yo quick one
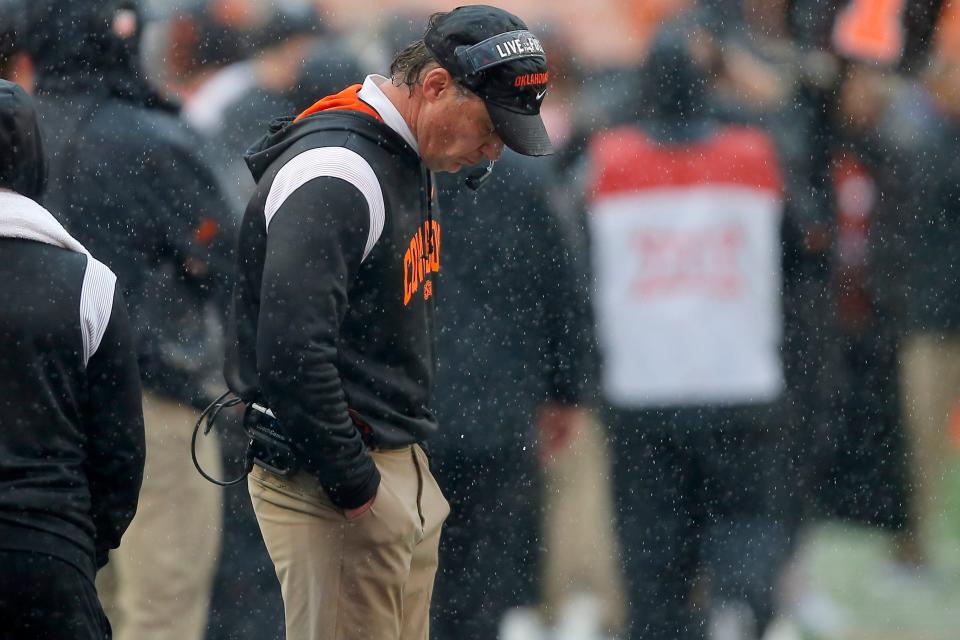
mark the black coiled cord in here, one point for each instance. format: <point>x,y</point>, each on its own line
<point>210,414</point>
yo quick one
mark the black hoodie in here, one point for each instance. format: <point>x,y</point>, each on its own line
<point>333,325</point>
<point>71,426</point>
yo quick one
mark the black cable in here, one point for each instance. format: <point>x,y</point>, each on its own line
<point>211,413</point>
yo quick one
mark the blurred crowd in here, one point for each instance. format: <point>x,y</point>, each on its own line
<point>724,311</point>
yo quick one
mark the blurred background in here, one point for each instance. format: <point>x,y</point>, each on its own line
<point>858,102</point>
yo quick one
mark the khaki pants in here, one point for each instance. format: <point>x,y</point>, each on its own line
<point>930,380</point>
<point>157,584</point>
<point>581,546</point>
<point>366,579</point>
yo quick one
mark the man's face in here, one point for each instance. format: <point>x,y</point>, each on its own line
<point>454,128</point>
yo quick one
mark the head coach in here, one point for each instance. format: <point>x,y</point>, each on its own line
<point>334,316</point>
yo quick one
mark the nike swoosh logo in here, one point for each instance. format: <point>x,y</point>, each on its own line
<point>541,94</point>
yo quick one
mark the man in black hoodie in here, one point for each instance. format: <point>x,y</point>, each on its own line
<point>127,177</point>
<point>71,426</point>
<point>339,250</point>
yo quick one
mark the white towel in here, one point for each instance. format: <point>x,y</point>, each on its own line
<point>21,217</point>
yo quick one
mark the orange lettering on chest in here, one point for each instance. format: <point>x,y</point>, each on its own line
<point>421,259</point>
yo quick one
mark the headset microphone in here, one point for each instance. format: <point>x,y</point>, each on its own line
<point>478,177</point>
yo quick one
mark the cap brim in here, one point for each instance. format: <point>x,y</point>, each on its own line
<point>521,132</point>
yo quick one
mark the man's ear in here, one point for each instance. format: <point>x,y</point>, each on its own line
<point>436,83</point>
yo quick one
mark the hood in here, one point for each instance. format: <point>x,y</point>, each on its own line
<point>23,162</point>
<point>342,111</point>
<point>674,85</point>
<point>89,47</point>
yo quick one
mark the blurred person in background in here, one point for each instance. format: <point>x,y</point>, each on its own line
<point>916,238</point>
<point>71,431</point>
<point>863,477</point>
<point>334,326</point>
<point>515,339</point>
<point>129,183</point>
<point>15,65</point>
<point>862,157</point>
<point>209,46</point>
<point>685,218</point>
<point>849,162</point>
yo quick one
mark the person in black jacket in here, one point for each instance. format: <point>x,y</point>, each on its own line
<point>338,255</point>
<point>515,342</point>
<point>71,426</point>
<point>129,181</point>
<point>915,239</point>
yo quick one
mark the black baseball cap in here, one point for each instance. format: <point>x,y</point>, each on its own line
<point>493,54</point>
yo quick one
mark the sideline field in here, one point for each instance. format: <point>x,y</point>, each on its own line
<point>848,565</point>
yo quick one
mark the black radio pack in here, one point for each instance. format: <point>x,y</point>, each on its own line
<point>268,446</point>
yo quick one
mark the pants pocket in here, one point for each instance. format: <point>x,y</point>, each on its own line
<point>302,487</point>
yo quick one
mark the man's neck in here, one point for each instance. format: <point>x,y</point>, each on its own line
<point>407,105</point>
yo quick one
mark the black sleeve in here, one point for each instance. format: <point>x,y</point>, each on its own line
<point>315,242</point>
<point>114,428</point>
<point>571,340</point>
<point>572,354</point>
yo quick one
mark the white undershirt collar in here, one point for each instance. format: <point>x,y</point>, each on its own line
<point>376,98</point>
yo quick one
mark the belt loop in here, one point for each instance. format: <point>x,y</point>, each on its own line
<point>416,464</point>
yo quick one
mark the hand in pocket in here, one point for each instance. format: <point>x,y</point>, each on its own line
<point>353,514</point>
